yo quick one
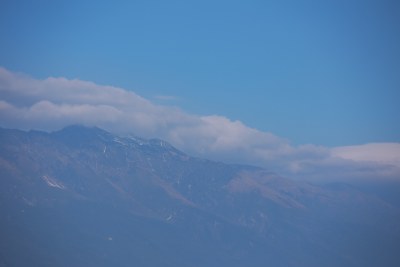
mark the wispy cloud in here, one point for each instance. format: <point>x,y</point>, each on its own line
<point>52,103</point>
<point>166,97</point>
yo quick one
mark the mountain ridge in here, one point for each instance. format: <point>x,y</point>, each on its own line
<point>219,214</point>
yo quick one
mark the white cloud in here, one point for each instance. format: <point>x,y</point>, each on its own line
<point>384,153</point>
<point>53,103</point>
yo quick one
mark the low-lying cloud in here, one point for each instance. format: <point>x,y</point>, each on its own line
<point>50,104</point>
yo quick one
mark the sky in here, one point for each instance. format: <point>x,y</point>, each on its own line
<point>283,83</point>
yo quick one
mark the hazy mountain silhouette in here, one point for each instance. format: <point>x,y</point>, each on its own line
<point>85,197</point>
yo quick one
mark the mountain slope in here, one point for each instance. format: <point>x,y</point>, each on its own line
<point>85,197</point>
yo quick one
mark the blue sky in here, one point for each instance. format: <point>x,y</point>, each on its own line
<point>319,72</point>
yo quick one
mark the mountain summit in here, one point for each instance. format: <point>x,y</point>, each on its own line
<point>85,197</point>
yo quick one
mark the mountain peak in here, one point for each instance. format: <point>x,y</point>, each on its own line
<point>81,128</point>
<point>78,135</point>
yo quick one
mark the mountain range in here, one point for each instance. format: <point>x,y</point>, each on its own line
<point>82,196</point>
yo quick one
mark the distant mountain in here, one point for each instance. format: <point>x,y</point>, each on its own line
<point>85,197</point>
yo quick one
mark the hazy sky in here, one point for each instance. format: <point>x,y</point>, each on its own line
<point>306,88</point>
<point>321,72</point>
